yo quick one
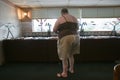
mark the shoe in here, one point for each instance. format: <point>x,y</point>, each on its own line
<point>61,75</point>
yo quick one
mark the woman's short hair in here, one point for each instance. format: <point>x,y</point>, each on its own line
<point>64,10</point>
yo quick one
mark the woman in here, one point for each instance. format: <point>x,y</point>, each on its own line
<point>66,27</point>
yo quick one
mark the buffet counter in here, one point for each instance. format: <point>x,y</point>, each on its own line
<point>44,49</point>
<point>1,54</point>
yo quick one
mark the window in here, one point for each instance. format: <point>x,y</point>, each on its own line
<point>43,25</point>
<point>100,24</point>
<point>86,24</point>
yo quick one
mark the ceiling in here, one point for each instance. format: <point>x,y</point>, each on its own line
<point>68,3</point>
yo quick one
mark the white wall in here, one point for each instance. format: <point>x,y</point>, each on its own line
<point>8,14</point>
<point>53,12</point>
<point>100,12</point>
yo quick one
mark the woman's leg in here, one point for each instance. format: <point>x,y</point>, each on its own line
<point>71,63</point>
<point>65,66</point>
<point>64,69</point>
